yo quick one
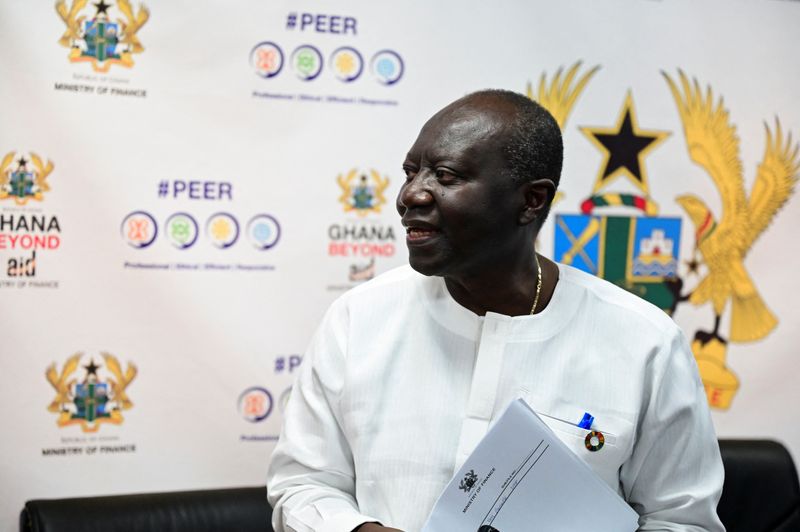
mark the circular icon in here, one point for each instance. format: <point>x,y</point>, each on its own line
<point>139,229</point>
<point>267,59</point>
<point>594,440</point>
<point>307,62</point>
<point>264,231</point>
<point>387,67</point>
<point>255,404</point>
<point>222,229</point>
<point>347,64</point>
<point>181,230</point>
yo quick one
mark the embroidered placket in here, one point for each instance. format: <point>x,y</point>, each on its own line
<point>483,390</point>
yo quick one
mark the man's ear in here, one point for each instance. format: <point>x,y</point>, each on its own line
<point>538,196</point>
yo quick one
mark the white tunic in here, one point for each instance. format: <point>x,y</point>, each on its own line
<point>401,382</point>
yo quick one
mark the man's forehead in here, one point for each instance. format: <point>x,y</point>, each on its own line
<point>462,127</point>
<point>484,115</point>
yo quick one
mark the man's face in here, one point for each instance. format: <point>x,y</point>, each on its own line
<point>458,204</point>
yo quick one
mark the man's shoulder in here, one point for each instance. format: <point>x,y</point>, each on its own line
<point>615,303</point>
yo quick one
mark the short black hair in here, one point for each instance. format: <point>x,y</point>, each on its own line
<point>534,148</point>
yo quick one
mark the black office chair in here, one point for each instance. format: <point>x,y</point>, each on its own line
<point>238,509</point>
<point>761,491</point>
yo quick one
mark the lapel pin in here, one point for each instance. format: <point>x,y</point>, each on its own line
<point>594,440</point>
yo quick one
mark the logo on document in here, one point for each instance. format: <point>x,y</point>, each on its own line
<point>468,482</point>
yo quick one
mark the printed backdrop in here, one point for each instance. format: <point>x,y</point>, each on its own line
<point>186,186</point>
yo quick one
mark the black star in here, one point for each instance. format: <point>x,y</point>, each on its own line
<point>102,7</point>
<point>91,368</point>
<point>693,265</point>
<point>624,147</point>
<point>22,162</point>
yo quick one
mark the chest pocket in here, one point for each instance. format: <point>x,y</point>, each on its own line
<point>606,460</point>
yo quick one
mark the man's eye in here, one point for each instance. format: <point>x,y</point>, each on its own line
<point>444,175</point>
<point>410,172</point>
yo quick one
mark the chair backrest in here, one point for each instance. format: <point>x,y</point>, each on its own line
<point>761,494</point>
<point>761,491</point>
<point>238,509</point>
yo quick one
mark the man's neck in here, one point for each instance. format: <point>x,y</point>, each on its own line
<point>510,291</point>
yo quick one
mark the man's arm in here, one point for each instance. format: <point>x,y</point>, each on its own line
<point>674,476</point>
<point>311,477</point>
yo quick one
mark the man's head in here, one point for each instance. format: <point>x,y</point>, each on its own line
<point>479,182</point>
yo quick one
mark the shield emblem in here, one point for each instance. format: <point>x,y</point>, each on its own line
<point>90,401</point>
<point>639,254</point>
<point>21,184</point>
<point>101,39</point>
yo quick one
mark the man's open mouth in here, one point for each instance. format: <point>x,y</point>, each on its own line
<point>418,233</point>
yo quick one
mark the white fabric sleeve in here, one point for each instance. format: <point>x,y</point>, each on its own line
<point>311,478</point>
<point>674,476</point>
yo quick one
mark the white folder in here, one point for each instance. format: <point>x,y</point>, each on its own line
<point>520,478</point>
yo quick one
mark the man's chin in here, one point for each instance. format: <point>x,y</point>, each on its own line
<point>425,267</point>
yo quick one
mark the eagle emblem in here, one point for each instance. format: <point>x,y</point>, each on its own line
<point>723,243</point>
<point>100,40</point>
<point>468,482</point>
<point>361,193</point>
<point>26,180</point>
<point>92,401</point>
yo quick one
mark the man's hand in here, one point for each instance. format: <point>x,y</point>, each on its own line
<point>375,527</point>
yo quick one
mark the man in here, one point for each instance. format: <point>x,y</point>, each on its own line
<point>407,371</point>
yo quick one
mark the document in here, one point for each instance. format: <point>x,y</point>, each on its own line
<point>520,478</point>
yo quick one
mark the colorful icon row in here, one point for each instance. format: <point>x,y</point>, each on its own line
<point>140,229</point>
<point>346,63</point>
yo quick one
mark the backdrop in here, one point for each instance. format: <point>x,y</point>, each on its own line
<point>186,186</point>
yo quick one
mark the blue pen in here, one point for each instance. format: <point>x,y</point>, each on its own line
<point>586,422</point>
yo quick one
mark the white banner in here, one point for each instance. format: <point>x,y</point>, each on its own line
<point>186,186</point>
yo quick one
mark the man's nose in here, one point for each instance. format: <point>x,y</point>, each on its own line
<point>415,192</point>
